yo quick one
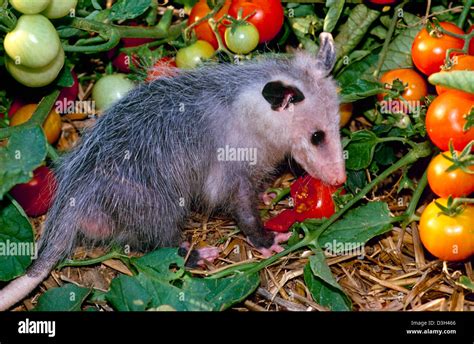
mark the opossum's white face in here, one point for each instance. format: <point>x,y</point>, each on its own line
<point>311,105</point>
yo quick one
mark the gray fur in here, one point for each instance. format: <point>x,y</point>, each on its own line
<point>152,157</point>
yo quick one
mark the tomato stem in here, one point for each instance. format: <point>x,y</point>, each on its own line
<point>86,262</point>
<point>391,30</point>
<point>464,13</point>
<point>410,212</point>
<point>217,8</point>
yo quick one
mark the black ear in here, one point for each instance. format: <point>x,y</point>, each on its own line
<point>280,96</point>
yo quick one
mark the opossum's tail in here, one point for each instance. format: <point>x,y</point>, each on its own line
<point>55,243</point>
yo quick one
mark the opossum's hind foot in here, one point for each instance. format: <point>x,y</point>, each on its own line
<point>275,247</point>
<point>199,256</point>
<point>97,226</point>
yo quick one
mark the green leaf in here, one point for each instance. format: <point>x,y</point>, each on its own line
<point>360,150</point>
<point>458,79</point>
<point>355,70</point>
<point>16,243</point>
<point>66,298</point>
<point>25,151</point>
<point>320,268</point>
<point>360,89</point>
<point>357,227</point>
<point>356,180</point>
<point>325,294</point>
<point>334,12</point>
<point>399,50</point>
<point>65,78</point>
<point>127,294</point>
<point>125,9</point>
<point>384,154</point>
<point>163,282</point>
<point>353,31</point>
<point>160,263</point>
<point>466,283</point>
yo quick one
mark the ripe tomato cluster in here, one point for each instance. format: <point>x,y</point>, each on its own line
<point>446,232</point>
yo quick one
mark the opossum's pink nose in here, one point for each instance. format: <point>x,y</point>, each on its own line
<point>336,175</point>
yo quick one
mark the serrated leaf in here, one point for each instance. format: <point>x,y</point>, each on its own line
<point>357,227</point>
<point>25,151</point>
<point>125,9</point>
<point>16,243</point>
<point>127,294</point>
<point>333,14</point>
<point>165,263</point>
<point>360,150</point>
<point>457,79</point>
<point>360,89</point>
<point>325,294</point>
<point>66,298</point>
<point>352,32</point>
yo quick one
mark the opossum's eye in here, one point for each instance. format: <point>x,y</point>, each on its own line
<point>318,137</point>
<point>280,96</point>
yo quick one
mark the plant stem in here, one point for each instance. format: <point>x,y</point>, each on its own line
<point>208,16</point>
<point>464,13</point>
<point>410,212</point>
<point>52,154</point>
<point>85,262</point>
<point>391,30</point>
<point>420,151</point>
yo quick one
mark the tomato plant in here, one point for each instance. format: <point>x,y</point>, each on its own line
<point>447,237</point>
<point>36,196</point>
<point>242,38</point>
<point>444,182</point>
<point>267,16</point>
<point>416,88</point>
<point>446,120</point>
<point>193,55</point>
<point>429,48</point>
<point>51,126</point>
<point>471,44</point>
<point>203,30</point>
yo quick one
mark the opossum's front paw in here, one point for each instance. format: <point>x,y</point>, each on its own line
<point>272,246</point>
<point>198,257</point>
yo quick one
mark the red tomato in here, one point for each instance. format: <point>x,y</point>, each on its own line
<point>416,88</point>
<point>122,62</point>
<point>471,44</point>
<point>36,196</point>
<point>445,120</point>
<point>268,17</point>
<point>203,31</point>
<point>429,51</point>
<point>68,94</point>
<point>463,62</point>
<point>282,222</point>
<point>162,67</point>
<point>313,198</point>
<point>455,183</point>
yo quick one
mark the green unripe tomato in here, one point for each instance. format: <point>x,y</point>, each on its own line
<point>34,42</point>
<point>59,8</point>
<point>242,39</point>
<point>191,56</point>
<point>36,77</point>
<point>29,6</point>
<point>109,89</point>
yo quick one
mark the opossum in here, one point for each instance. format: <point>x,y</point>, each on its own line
<point>157,153</point>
